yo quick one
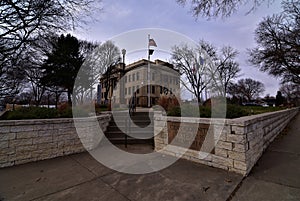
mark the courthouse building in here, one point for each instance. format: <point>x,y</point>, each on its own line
<point>164,79</point>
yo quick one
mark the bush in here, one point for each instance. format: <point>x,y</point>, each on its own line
<point>32,113</point>
<point>235,111</point>
<point>168,102</point>
<point>184,110</point>
<point>175,112</point>
<point>44,113</point>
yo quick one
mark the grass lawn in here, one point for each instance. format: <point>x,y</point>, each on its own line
<point>232,111</point>
<point>252,110</point>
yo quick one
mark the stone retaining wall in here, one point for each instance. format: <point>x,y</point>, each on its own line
<point>23,141</point>
<point>237,147</point>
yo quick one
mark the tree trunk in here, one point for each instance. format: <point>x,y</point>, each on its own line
<point>69,98</point>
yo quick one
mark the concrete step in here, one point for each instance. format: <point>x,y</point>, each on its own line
<point>132,141</point>
<point>137,135</point>
<point>149,128</point>
<point>141,129</point>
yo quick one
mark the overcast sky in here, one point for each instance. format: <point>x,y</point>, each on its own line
<point>237,31</point>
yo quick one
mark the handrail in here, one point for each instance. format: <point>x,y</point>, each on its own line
<point>132,105</point>
<point>126,131</point>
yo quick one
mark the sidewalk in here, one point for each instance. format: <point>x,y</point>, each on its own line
<point>80,177</point>
<point>276,176</point>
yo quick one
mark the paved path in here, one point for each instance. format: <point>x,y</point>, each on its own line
<point>276,175</point>
<point>80,177</point>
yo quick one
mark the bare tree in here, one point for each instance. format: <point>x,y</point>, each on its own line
<point>24,98</point>
<point>190,62</point>
<point>215,8</point>
<point>21,21</point>
<point>100,62</point>
<point>246,89</point>
<point>291,91</point>
<point>203,67</point>
<point>278,46</point>
<point>31,61</point>
<point>11,77</point>
<point>228,68</point>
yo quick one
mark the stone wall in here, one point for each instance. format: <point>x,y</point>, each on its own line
<point>23,141</point>
<point>238,144</point>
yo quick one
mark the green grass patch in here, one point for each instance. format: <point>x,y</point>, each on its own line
<point>232,111</point>
<point>252,110</point>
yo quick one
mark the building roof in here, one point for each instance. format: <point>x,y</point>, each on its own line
<point>143,62</point>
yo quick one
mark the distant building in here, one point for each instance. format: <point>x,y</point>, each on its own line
<point>163,79</point>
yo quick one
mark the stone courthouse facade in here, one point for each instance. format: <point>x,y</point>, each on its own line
<point>164,79</point>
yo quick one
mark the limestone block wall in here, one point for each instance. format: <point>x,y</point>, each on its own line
<point>23,141</point>
<point>238,144</point>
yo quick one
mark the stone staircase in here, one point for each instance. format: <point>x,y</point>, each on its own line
<point>135,129</point>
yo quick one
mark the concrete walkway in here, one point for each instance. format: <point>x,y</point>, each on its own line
<point>276,176</point>
<point>80,177</point>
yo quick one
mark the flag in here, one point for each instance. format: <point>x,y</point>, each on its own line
<point>201,61</point>
<point>151,51</point>
<point>152,42</point>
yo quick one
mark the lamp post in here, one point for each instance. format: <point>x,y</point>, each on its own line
<point>148,71</point>
<point>151,42</point>
<point>123,53</point>
<point>122,95</point>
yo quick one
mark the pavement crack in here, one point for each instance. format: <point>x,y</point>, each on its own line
<point>284,152</point>
<point>278,183</point>
<point>112,187</point>
<point>88,169</point>
<point>83,166</point>
<point>238,186</point>
<point>48,194</point>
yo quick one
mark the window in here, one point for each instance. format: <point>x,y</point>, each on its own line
<point>133,89</point>
<point>165,78</point>
<point>133,77</point>
<point>153,76</point>
<point>137,89</point>
<point>138,76</point>
<point>129,90</point>
<point>129,78</point>
<point>153,89</point>
<point>125,91</point>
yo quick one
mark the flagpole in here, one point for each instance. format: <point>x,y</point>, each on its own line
<point>148,77</point>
